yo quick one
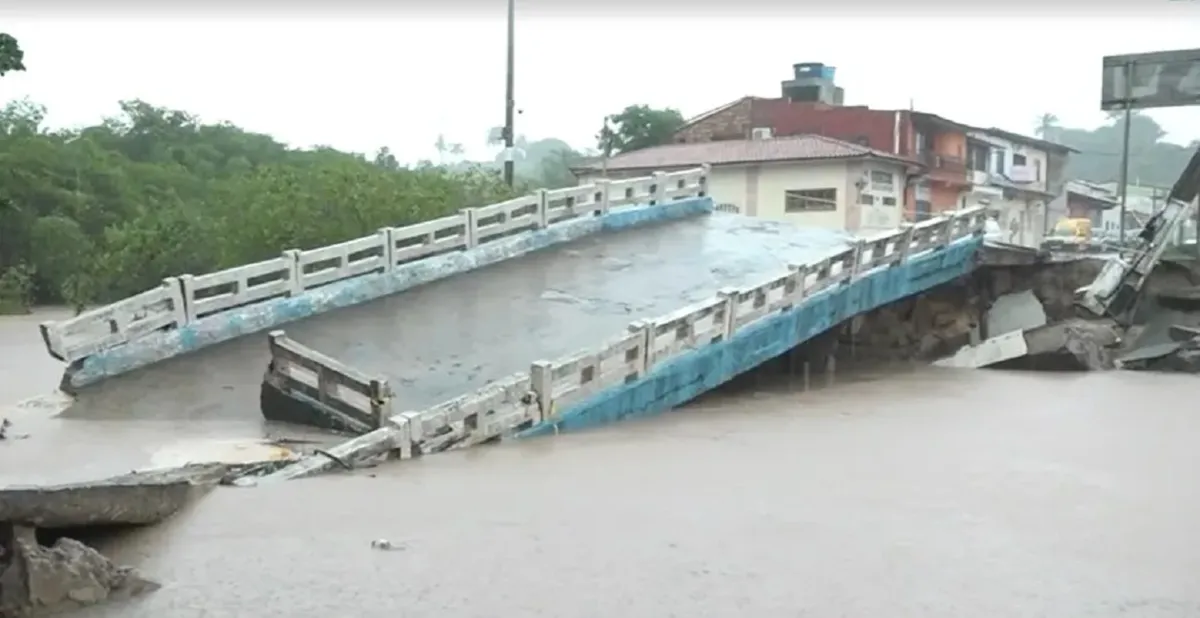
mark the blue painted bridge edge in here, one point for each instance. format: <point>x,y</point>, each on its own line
<point>689,375</point>
<point>258,317</point>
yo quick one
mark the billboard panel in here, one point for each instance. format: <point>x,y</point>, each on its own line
<point>1157,79</point>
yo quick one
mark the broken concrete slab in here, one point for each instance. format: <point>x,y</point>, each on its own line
<point>1014,312</point>
<point>1071,345</point>
<point>987,352</point>
<point>1068,345</point>
<point>136,498</point>
<point>69,575</point>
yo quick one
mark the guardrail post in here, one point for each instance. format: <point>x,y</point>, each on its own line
<point>978,222</point>
<point>645,331</point>
<point>389,247</point>
<point>801,271</point>
<point>178,306</point>
<point>411,433</point>
<point>856,267</point>
<point>729,296</point>
<point>905,244</point>
<point>381,402</point>
<point>542,216</point>
<point>658,187</point>
<point>52,337</point>
<point>541,382</point>
<point>470,227</point>
<point>705,172</point>
<point>295,272</point>
<point>187,287</point>
<point>601,196</point>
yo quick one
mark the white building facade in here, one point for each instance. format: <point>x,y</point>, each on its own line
<point>1011,176</point>
<point>806,180</point>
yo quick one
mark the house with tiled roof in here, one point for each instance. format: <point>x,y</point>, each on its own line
<point>1014,176</point>
<point>809,180</point>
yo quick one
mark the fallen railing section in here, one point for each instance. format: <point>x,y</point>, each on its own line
<point>524,400</point>
<point>350,399</point>
<point>185,299</point>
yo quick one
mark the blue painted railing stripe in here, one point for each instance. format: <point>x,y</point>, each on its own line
<point>682,379</point>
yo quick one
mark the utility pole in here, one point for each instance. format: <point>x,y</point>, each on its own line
<point>509,103</point>
<point>1125,147</point>
<point>1045,130</point>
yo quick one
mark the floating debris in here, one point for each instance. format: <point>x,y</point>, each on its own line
<point>386,545</point>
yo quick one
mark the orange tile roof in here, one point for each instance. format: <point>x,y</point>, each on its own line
<point>777,149</point>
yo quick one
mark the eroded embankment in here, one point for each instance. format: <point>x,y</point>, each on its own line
<point>1024,317</point>
<point>991,301</point>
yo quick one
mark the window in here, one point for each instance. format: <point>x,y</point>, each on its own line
<point>1037,170</point>
<point>1018,159</point>
<point>883,181</point>
<point>889,201</point>
<point>921,143</point>
<point>810,200</point>
<point>1001,155</point>
<point>977,157</point>
<point>866,199</point>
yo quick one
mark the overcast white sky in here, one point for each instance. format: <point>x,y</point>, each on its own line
<point>398,78</point>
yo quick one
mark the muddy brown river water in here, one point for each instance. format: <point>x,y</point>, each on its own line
<point>924,493</point>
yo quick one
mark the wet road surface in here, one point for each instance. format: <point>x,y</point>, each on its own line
<point>435,342</point>
<point>926,494</point>
<point>441,340</point>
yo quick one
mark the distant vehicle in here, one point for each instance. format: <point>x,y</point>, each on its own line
<point>1071,234</point>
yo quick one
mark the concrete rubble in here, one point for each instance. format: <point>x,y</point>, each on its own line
<point>68,575</point>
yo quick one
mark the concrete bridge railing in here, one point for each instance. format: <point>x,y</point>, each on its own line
<point>537,397</point>
<point>188,299</point>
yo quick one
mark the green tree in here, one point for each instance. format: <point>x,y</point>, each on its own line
<point>1047,126</point>
<point>96,214</point>
<point>12,58</point>
<point>1152,161</point>
<point>637,127</point>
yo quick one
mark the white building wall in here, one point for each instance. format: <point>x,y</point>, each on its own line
<point>776,179</point>
<point>865,200</point>
<point>1022,218</point>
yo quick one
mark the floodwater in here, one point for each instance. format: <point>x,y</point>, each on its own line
<point>926,493</point>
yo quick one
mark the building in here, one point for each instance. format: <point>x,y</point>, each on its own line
<point>810,103</point>
<point>1085,200</point>
<point>1015,177</point>
<point>1141,201</point>
<point>809,180</point>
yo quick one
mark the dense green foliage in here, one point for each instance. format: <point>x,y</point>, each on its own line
<point>100,213</point>
<point>637,127</point>
<point>1151,160</point>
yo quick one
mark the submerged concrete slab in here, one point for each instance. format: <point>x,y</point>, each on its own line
<point>439,340</point>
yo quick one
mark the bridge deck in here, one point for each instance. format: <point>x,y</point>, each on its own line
<point>441,340</point>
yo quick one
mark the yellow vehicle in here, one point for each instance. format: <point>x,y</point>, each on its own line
<point>1079,229</point>
<point>1069,234</point>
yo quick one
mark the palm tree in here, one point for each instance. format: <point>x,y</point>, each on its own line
<point>1047,126</point>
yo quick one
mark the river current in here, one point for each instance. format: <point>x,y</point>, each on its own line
<point>921,493</point>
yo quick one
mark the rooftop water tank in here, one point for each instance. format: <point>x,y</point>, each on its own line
<point>810,70</point>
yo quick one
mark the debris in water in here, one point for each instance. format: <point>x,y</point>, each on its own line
<point>5,424</point>
<point>385,545</point>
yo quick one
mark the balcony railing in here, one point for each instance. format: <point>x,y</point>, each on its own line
<point>941,162</point>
